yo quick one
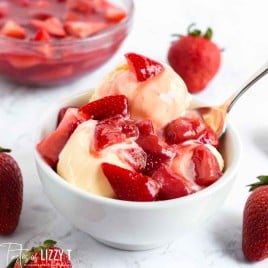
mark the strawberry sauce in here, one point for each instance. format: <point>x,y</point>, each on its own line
<point>35,47</point>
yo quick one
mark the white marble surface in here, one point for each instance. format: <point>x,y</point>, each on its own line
<point>241,29</point>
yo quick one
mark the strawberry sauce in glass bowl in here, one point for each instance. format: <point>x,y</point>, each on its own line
<point>54,42</point>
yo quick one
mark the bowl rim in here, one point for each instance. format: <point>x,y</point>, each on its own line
<point>80,41</point>
<point>160,204</point>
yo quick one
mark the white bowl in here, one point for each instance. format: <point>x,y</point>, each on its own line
<point>134,225</point>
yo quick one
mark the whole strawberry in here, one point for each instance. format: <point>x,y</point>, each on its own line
<point>255,222</point>
<point>44,256</point>
<point>11,195</point>
<point>195,58</point>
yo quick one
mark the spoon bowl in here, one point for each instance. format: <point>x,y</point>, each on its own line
<point>215,116</point>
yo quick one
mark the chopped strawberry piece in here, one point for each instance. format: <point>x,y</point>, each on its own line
<point>145,127</point>
<point>143,67</point>
<point>83,29</point>
<point>52,25</point>
<point>130,185</point>
<point>171,185</point>
<point>105,107</point>
<point>42,35</point>
<point>183,128</point>
<point>13,30</point>
<point>206,166</point>
<point>51,146</point>
<point>61,114</point>
<point>114,130</point>
<point>113,13</point>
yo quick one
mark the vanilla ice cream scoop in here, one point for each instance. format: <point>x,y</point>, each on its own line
<point>161,98</point>
<point>80,165</point>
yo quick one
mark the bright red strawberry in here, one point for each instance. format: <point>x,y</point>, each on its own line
<point>195,58</point>
<point>145,126</point>
<point>51,25</point>
<point>106,107</point>
<point>46,255</point>
<point>171,186</point>
<point>11,197</point>
<point>51,146</point>
<point>255,222</point>
<point>183,128</point>
<point>13,30</point>
<point>143,67</point>
<point>130,185</point>
<point>206,165</point>
<point>114,130</point>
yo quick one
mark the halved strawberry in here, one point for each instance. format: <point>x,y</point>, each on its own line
<point>171,185</point>
<point>143,67</point>
<point>105,107</point>
<point>206,166</point>
<point>12,29</point>
<point>183,128</point>
<point>114,130</point>
<point>130,185</point>
<point>51,146</point>
<point>52,25</point>
<point>83,29</point>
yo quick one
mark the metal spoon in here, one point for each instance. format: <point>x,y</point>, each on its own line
<point>215,116</point>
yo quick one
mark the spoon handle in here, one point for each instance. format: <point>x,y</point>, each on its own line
<point>256,77</point>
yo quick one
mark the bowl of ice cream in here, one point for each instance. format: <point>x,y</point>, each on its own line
<point>122,175</point>
<point>48,43</point>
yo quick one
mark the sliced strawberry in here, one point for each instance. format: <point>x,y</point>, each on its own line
<point>52,25</point>
<point>143,67</point>
<point>183,128</point>
<point>114,130</point>
<point>42,35</point>
<point>23,61</point>
<point>51,146</point>
<point>130,185</point>
<point>81,6</point>
<point>13,30</point>
<point>105,107</point>
<point>61,113</point>
<point>83,29</point>
<point>171,185</point>
<point>113,13</point>
<point>206,166</point>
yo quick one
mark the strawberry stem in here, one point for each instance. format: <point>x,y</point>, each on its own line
<point>4,150</point>
<point>196,32</point>
<point>263,180</point>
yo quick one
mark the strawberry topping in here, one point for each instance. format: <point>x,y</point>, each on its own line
<point>130,185</point>
<point>143,67</point>
<point>105,107</point>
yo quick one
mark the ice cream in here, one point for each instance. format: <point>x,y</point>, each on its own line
<point>135,139</point>
<point>161,98</point>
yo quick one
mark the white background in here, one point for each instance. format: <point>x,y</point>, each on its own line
<point>240,28</point>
